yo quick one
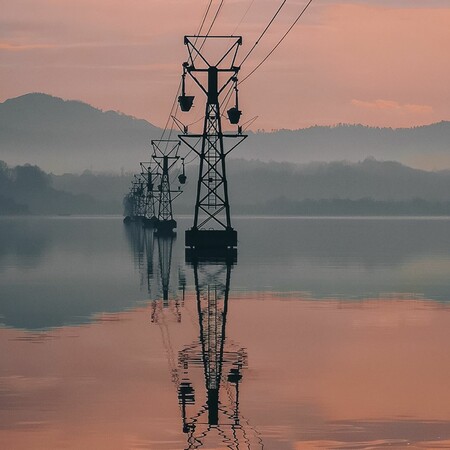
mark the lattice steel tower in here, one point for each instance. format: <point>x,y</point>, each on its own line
<point>149,175</point>
<point>212,230</point>
<point>165,154</point>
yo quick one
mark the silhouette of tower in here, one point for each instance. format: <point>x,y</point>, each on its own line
<point>134,201</point>
<point>212,231</point>
<point>165,154</point>
<point>149,176</point>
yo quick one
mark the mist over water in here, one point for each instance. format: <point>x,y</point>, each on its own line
<point>326,333</point>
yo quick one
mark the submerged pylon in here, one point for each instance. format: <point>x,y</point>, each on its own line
<point>134,201</point>
<point>165,155</point>
<point>149,175</point>
<point>212,232</point>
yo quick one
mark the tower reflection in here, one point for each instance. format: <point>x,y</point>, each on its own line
<point>208,372</point>
<point>212,413</point>
<point>137,238</point>
<point>163,299</point>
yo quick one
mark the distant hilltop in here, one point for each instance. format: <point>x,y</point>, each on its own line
<point>71,136</point>
<point>369,187</point>
<point>61,135</point>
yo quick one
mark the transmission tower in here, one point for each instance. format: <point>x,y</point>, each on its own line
<point>212,232</point>
<point>149,175</point>
<point>165,154</point>
<point>134,201</point>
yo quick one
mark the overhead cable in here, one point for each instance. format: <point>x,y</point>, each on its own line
<point>202,23</point>
<point>264,31</point>
<point>211,25</point>
<point>278,43</point>
<point>243,17</point>
<point>204,17</point>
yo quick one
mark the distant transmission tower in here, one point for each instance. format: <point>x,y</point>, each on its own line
<point>165,154</point>
<point>149,175</point>
<point>212,232</point>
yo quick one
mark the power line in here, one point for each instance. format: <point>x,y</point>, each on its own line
<point>204,17</point>
<point>243,17</point>
<point>211,25</point>
<point>227,97</point>
<point>279,42</point>
<point>203,43</point>
<point>264,31</point>
<point>215,17</point>
<point>202,23</point>
<point>171,111</point>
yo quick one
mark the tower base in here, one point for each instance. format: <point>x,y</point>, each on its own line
<point>211,239</point>
<point>165,227</point>
<point>211,245</point>
<point>150,222</point>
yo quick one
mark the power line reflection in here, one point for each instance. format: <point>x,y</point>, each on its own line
<point>208,372</point>
<point>222,362</point>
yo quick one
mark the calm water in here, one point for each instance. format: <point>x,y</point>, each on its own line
<point>327,333</point>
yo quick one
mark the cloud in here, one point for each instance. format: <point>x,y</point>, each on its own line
<point>394,106</point>
<point>17,48</point>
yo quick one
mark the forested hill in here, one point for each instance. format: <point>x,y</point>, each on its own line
<point>369,187</point>
<point>425,147</point>
<point>71,136</point>
<point>29,190</point>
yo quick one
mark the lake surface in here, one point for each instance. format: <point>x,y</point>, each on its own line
<point>326,333</point>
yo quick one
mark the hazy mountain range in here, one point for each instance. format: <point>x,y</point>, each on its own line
<point>256,182</point>
<point>369,187</point>
<point>64,136</point>
<point>324,170</point>
<point>29,190</point>
<point>71,136</point>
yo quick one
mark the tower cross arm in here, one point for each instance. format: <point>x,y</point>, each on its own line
<point>191,43</point>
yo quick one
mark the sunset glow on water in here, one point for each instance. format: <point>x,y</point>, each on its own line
<point>224,225</point>
<point>364,371</point>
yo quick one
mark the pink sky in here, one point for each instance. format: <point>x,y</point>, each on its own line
<point>382,63</point>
